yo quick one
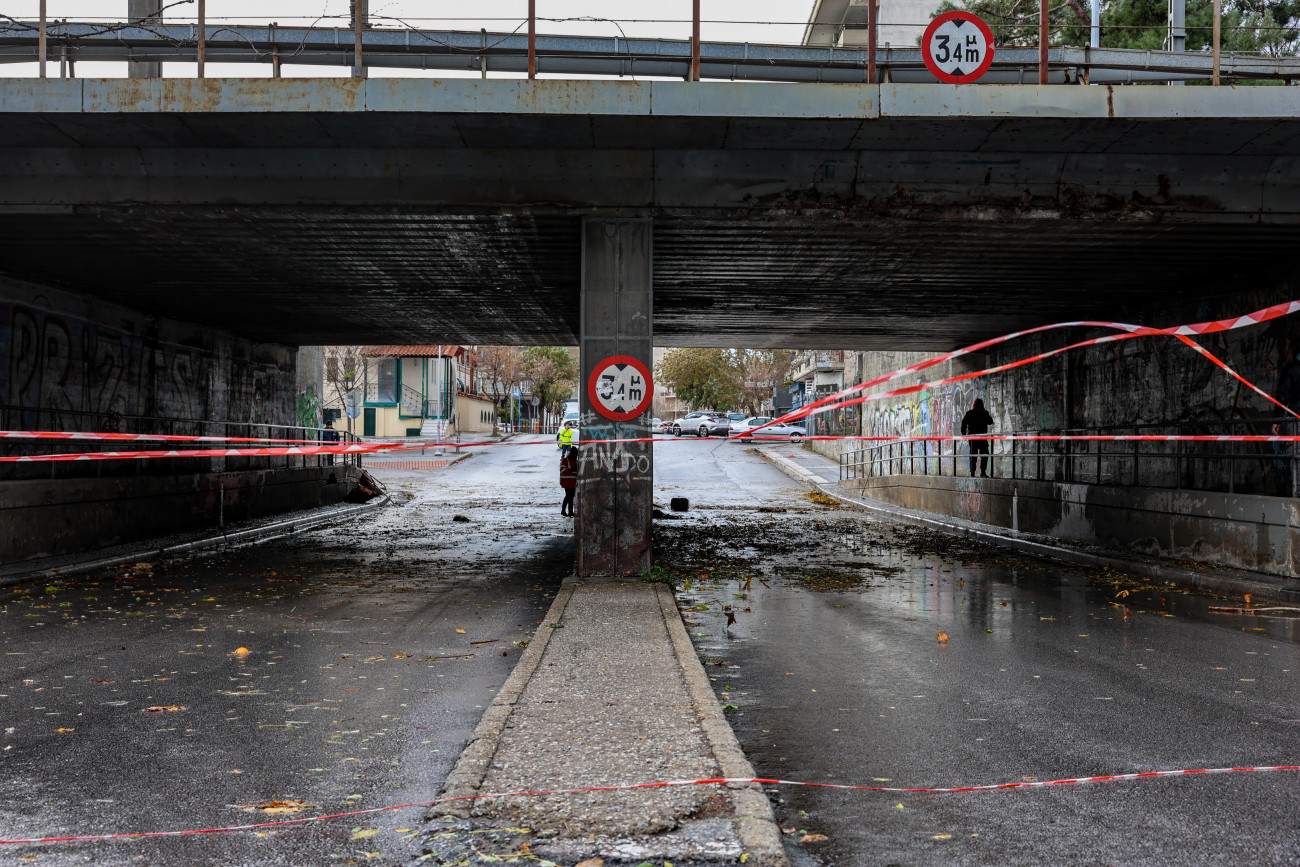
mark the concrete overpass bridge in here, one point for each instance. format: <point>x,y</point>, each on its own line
<point>617,214</point>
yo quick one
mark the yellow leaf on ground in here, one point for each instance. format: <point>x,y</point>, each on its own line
<point>461,631</point>
<point>943,637</point>
<point>812,838</point>
<point>591,862</point>
<point>364,833</point>
<point>161,708</point>
<point>941,837</point>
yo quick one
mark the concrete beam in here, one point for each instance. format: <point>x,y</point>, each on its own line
<point>615,480</point>
<point>144,11</point>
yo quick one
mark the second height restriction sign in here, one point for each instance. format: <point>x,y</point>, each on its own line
<point>957,47</point>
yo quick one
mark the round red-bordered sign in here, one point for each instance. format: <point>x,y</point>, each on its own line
<point>620,388</point>
<point>957,47</point>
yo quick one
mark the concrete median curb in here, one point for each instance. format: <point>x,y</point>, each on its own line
<point>1190,578</point>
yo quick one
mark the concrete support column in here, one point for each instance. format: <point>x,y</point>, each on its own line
<point>615,480</point>
<point>146,11</point>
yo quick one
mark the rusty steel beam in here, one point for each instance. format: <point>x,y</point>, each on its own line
<point>532,38</point>
<point>1043,37</point>
<point>695,40</point>
<point>202,47</point>
<point>44,44</point>
<point>873,16</point>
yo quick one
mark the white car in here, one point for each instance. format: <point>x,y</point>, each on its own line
<point>792,432</point>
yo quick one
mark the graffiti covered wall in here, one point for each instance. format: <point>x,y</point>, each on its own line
<point>68,362</point>
<point>1147,384</point>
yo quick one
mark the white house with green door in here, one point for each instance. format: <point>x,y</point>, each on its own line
<point>425,391</point>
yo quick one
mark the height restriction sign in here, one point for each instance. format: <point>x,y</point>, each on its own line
<point>957,47</point>
<point>620,388</point>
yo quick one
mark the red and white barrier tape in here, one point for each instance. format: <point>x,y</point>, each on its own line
<point>380,448</point>
<point>138,438</point>
<point>1182,332</point>
<point>839,400</point>
<point>1026,784</point>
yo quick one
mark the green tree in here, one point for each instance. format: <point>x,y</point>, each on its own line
<point>553,371</point>
<point>701,377</point>
<point>1248,26</point>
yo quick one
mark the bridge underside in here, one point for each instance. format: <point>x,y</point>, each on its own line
<point>845,216</point>
<point>329,275</point>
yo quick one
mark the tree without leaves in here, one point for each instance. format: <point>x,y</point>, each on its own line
<point>345,370</point>
<point>502,368</point>
<point>553,372</point>
<point>759,372</point>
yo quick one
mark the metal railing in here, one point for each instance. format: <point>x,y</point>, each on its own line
<point>28,419</point>
<point>360,44</point>
<point>1269,469</point>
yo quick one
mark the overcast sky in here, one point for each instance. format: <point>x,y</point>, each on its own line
<point>780,21</point>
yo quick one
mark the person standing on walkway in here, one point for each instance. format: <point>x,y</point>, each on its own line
<point>568,479</point>
<point>329,436</point>
<point>568,437</point>
<point>977,421</point>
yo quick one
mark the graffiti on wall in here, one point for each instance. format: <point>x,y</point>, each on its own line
<point>62,372</point>
<point>307,409</point>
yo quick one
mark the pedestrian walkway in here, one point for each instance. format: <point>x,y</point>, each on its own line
<point>610,692</point>
<point>823,473</point>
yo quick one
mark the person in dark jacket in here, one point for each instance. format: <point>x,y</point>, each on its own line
<point>977,421</point>
<point>569,479</point>
<point>329,436</point>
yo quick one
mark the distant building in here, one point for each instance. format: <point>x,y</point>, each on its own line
<point>843,22</point>
<point>817,373</point>
<point>428,391</point>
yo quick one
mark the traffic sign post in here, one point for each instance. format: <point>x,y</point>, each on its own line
<point>957,47</point>
<point>620,388</point>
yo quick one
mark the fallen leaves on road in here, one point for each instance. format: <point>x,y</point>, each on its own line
<point>240,651</point>
<point>591,862</point>
<point>813,838</point>
<point>363,833</point>
<point>943,637</point>
<point>160,708</point>
<point>459,630</point>
<point>276,807</point>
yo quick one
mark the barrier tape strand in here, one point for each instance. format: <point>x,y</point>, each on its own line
<point>1024,784</point>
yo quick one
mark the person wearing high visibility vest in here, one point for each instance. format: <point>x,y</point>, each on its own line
<point>568,437</point>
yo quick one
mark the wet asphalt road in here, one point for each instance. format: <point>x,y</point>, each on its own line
<point>836,675</point>
<point>358,689</point>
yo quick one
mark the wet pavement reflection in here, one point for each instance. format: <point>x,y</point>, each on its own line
<point>870,654</point>
<point>342,670</point>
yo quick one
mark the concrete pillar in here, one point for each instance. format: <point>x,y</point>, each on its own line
<point>615,480</point>
<point>144,10</point>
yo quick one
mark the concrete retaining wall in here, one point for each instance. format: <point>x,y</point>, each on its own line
<point>45,518</point>
<point>1243,531</point>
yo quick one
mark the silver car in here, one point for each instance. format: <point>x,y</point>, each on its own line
<point>792,432</point>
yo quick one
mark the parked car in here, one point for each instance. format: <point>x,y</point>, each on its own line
<point>701,424</point>
<point>738,428</point>
<point>658,425</point>
<point>792,432</point>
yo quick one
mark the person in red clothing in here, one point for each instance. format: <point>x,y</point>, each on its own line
<point>569,479</point>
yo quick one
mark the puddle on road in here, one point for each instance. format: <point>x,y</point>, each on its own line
<point>831,550</point>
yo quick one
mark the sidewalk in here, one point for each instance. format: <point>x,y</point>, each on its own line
<point>823,473</point>
<point>237,533</point>
<point>610,692</point>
